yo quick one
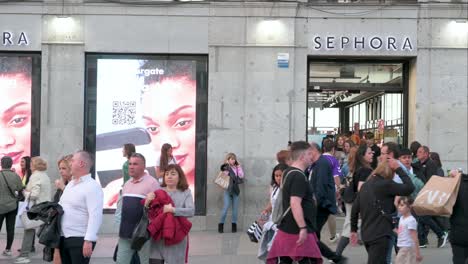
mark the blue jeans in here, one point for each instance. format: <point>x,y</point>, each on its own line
<point>228,199</point>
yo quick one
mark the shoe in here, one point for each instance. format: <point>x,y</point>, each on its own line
<point>32,250</point>
<point>22,260</point>
<point>442,240</point>
<point>234,228</point>
<point>220,228</point>
<point>334,238</point>
<point>7,253</point>
<point>423,245</point>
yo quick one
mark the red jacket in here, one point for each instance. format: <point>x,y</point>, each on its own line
<point>173,229</point>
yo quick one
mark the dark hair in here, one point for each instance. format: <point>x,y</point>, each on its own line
<point>283,156</point>
<point>15,65</point>
<point>328,145</point>
<point>26,172</point>
<point>348,134</point>
<point>139,156</point>
<point>369,135</point>
<point>414,146</point>
<point>6,162</point>
<point>129,149</point>
<point>426,149</point>
<point>164,158</point>
<point>405,152</point>
<point>281,167</point>
<point>171,68</point>
<point>182,185</point>
<point>356,158</point>
<point>297,148</point>
<point>407,200</point>
<point>436,158</point>
<point>393,148</point>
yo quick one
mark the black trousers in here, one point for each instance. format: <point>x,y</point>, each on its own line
<point>322,218</point>
<point>71,250</point>
<point>10,219</point>
<point>460,254</point>
<point>377,250</point>
<point>288,260</point>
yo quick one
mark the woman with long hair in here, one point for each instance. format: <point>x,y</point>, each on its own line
<point>360,159</point>
<point>375,204</point>
<point>176,186</point>
<point>165,159</point>
<point>127,151</point>
<point>232,168</point>
<point>25,165</point>
<point>434,156</point>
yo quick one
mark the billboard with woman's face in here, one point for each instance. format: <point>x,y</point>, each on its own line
<point>146,102</point>
<point>15,107</point>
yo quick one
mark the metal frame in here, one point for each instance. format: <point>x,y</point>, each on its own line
<point>201,134</point>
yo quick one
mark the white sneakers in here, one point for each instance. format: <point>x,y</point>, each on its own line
<point>22,260</point>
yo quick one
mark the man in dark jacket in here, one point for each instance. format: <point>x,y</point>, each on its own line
<point>323,185</point>
<point>425,168</point>
<point>459,224</point>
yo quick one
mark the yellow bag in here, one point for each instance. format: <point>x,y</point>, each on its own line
<point>438,196</point>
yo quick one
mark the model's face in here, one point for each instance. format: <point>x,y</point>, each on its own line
<point>136,167</point>
<point>64,171</point>
<point>278,177</point>
<point>406,160</point>
<point>15,117</point>
<point>169,116</point>
<point>369,155</point>
<point>171,178</point>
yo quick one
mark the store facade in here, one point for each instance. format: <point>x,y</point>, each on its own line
<point>251,67</point>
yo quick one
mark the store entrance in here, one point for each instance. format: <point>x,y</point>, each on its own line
<point>348,97</point>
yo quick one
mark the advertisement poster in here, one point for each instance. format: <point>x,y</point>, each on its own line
<point>15,108</point>
<point>147,103</point>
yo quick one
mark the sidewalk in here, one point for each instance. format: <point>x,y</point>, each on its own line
<point>213,248</point>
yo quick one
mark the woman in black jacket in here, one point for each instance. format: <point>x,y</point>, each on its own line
<point>459,224</point>
<point>375,204</point>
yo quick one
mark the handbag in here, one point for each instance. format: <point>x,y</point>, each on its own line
<point>140,233</point>
<point>222,180</point>
<point>28,223</point>
<point>19,196</point>
<point>438,196</point>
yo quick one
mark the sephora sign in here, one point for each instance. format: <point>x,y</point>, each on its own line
<point>356,43</point>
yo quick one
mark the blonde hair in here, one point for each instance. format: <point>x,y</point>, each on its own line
<point>230,156</point>
<point>384,170</point>
<point>38,163</point>
<point>66,160</point>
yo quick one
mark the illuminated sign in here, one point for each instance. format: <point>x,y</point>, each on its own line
<point>389,43</point>
<point>14,39</point>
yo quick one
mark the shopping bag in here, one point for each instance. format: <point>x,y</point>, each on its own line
<point>21,209</point>
<point>28,223</point>
<point>438,196</point>
<point>222,180</point>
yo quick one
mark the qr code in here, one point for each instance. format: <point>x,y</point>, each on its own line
<point>123,112</point>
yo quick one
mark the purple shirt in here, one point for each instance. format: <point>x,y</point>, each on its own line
<point>334,163</point>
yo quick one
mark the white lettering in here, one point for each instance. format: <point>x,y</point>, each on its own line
<point>376,43</point>
<point>148,72</point>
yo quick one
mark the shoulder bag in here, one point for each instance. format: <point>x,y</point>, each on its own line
<point>222,180</point>
<point>140,233</point>
<point>29,223</point>
<point>19,196</point>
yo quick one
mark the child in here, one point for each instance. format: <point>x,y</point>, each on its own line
<point>407,234</point>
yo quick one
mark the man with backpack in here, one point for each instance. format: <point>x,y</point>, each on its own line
<point>296,238</point>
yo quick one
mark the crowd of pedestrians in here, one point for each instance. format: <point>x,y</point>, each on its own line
<point>372,185</point>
